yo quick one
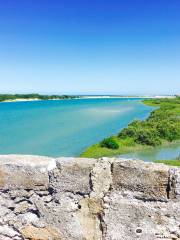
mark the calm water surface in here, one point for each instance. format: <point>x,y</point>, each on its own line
<point>160,153</point>
<point>65,127</point>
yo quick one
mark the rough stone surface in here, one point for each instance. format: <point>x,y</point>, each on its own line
<point>149,180</point>
<point>174,184</point>
<point>87,199</point>
<point>15,173</point>
<point>74,174</point>
<point>33,233</point>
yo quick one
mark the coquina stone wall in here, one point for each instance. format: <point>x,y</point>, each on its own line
<point>86,199</point>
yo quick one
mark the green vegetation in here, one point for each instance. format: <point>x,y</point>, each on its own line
<point>161,127</point>
<point>110,143</point>
<point>141,132</point>
<point>13,97</point>
<point>125,146</point>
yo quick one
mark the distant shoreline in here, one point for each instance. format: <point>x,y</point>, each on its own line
<point>22,100</point>
<point>111,96</point>
<point>29,100</point>
<point>49,98</point>
<point>32,97</point>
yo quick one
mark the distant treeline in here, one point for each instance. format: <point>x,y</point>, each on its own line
<point>6,97</point>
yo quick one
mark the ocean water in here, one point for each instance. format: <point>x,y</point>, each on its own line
<point>64,127</point>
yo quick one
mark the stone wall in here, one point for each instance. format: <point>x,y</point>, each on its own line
<point>86,199</point>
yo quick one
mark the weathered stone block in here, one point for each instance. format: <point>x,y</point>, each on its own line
<point>150,179</point>
<point>87,199</point>
<point>74,175</point>
<point>101,178</point>
<point>25,172</point>
<point>129,219</point>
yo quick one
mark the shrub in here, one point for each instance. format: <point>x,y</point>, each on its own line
<point>109,143</point>
<point>169,130</point>
<point>148,137</point>
<point>162,124</point>
<point>127,132</point>
<point>131,130</point>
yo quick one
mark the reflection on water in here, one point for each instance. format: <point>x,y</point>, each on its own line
<point>109,111</point>
<point>161,153</point>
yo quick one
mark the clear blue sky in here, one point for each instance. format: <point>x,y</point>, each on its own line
<point>90,47</point>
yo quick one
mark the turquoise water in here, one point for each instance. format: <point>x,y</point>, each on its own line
<point>65,127</point>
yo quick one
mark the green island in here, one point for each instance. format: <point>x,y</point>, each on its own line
<point>34,96</point>
<point>161,128</point>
